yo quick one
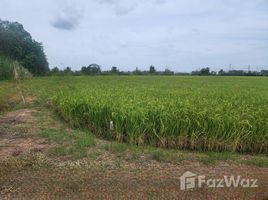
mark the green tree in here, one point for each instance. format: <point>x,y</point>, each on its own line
<point>114,70</point>
<point>205,71</point>
<point>152,70</point>
<point>18,44</point>
<point>92,69</point>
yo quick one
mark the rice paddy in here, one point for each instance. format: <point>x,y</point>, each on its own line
<point>196,113</point>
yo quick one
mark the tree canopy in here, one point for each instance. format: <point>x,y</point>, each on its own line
<point>18,44</point>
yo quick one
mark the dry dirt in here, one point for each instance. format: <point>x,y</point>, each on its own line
<point>15,140</point>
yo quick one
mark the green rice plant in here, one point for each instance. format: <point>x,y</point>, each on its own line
<point>196,113</point>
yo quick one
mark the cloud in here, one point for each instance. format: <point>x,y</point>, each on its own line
<point>160,1</point>
<point>121,7</point>
<point>69,18</point>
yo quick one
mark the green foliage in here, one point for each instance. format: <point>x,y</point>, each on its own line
<point>7,67</point>
<point>92,69</point>
<point>18,44</point>
<point>259,161</point>
<point>219,114</point>
<point>152,70</point>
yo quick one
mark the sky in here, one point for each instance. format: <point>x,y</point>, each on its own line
<point>182,35</point>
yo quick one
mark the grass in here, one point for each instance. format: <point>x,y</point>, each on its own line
<point>158,155</point>
<point>85,141</point>
<point>5,68</point>
<point>259,161</point>
<point>8,96</point>
<point>116,147</point>
<point>213,157</point>
<point>58,151</point>
<point>72,143</point>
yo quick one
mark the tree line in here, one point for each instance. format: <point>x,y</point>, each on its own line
<point>95,69</point>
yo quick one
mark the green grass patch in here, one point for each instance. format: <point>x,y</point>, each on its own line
<point>165,155</point>
<point>214,157</point>
<point>77,152</point>
<point>116,147</point>
<point>58,151</point>
<point>72,143</point>
<point>82,139</point>
<point>259,161</point>
<point>86,140</point>
<point>58,136</point>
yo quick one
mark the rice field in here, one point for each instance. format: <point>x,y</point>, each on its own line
<point>194,113</point>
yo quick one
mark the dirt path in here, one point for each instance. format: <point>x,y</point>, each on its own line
<point>16,138</point>
<point>28,172</point>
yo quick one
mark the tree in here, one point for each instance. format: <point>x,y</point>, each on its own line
<point>152,70</point>
<point>168,72</point>
<point>221,72</point>
<point>92,69</point>
<point>55,71</point>
<point>16,43</point>
<point>205,71</point>
<point>264,72</point>
<point>114,70</point>
<point>67,71</point>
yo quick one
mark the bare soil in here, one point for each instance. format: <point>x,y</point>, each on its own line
<point>16,140</point>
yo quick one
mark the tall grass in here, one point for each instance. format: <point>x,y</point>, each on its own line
<point>7,67</point>
<point>185,113</point>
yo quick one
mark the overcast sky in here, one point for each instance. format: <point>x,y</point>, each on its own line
<point>180,34</point>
